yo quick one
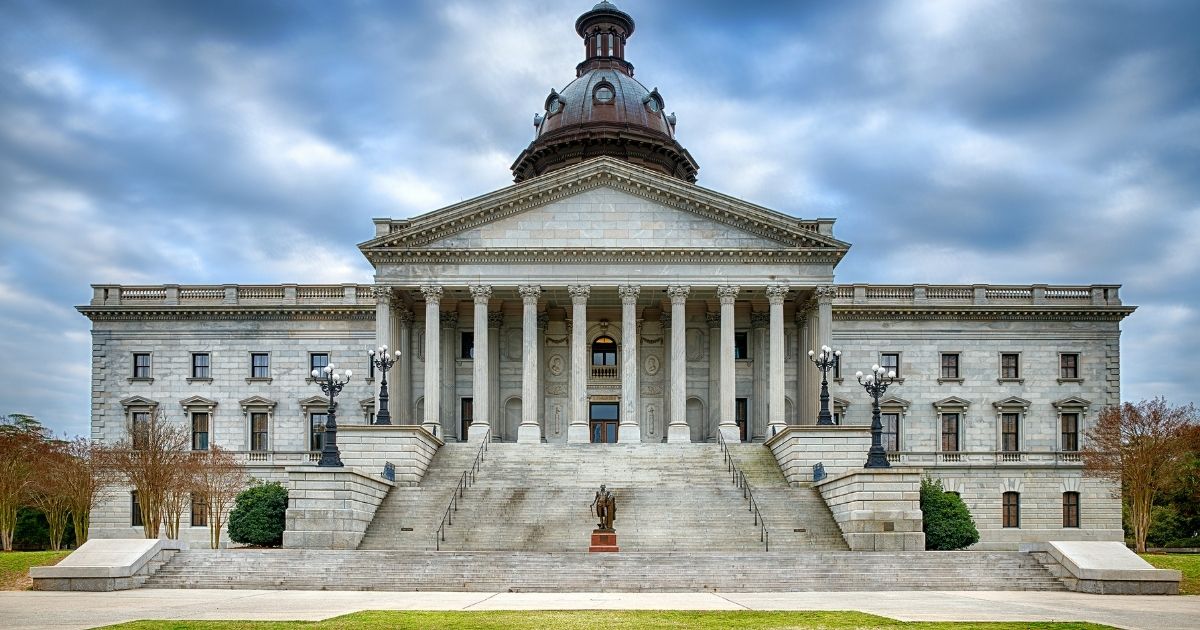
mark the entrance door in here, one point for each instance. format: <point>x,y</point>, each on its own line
<point>742,415</point>
<point>604,420</point>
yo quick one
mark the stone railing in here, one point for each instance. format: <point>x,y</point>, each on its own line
<point>981,294</point>
<point>959,458</point>
<point>225,294</point>
<point>286,458</point>
<point>606,373</point>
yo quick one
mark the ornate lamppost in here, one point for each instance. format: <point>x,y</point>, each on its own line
<point>876,383</point>
<point>331,383</point>
<point>825,362</point>
<point>383,363</point>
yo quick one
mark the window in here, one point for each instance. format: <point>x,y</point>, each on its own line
<point>1009,432</point>
<point>370,366</point>
<point>1068,366</point>
<point>1010,366</point>
<point>199,510</point>
<point>741,414</point>
<point>467,416</point>
<point>741,345</point>
<point>950,432</point>
<point>1070,509</point>
<point>200,365</point>
<point>1070,431</point>
<point>468,346</point>
<point>891,431</point>
<point>200,431</point>
<point>890,362</point>
<point>317,433</point>
<point>604,351</point>
<point>317,361</point>
<point>1012,509</point>
<point>837,417</point>
<point>135,510</point>
<point>141,423</point>
<point>141,365</point>
<point>258,431</point>
<point>260,365</point>
<point>950,365</point>
<point>604,94</point>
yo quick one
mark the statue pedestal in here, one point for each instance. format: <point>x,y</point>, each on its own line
<point>603,541</point>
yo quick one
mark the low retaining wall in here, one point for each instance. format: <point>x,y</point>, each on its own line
<point>330,508</point>
<point>1103,568</point>
<point>877,509</point>
<point>837,448</point>
<point>106,564</point>
<point>409,448</point>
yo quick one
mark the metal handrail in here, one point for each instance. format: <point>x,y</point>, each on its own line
<point>465,481</point>
<point>739,480</point>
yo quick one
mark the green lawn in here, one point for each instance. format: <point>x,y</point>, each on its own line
<point>14,567</point>
<point>1186,563</point>
<point>592,619</point>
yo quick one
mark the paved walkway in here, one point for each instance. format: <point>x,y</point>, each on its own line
<point>32,609</point>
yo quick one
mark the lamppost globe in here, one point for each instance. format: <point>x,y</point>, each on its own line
<point>858,375</point>
<point>370,353</point>
<point>316,374</point>
<point>838,353</point>
<point>348,374</point>
<point>876,383</point>
<point>811,353</point>
<point>891,374</point>
<point>398,353</point>
<point>331,383</point>
<point>381,361</point>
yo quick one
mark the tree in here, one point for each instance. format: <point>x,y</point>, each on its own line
<point>20,437</point>
<point>946,520</point>
<point>217,478</point>
<point>84,477</point>
<point>147,460</point>
<point>1143,448</point>
<point>259,515</point>
<point>48,488</point>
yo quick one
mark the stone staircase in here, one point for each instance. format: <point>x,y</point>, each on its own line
<point>746,571</point>
<point>670,497</point>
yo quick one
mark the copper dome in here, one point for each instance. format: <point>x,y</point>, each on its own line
<point>604,111</point>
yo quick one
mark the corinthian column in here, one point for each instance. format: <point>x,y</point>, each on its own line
<point>678,430</point>
<point>529,431</point>
<point>433,346</point>
<point>481,394</point>
<point>629,430</point>
<point>728,425</point>
<point>776,294</point>
<point>825,297</point>
<point>403,395</point>
<point>577,432</point>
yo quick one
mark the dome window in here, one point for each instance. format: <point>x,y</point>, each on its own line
<point>554,103</point>
<point>653,101</point>
<point>604,93</point>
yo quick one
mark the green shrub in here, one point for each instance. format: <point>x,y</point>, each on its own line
<point>948,523</point>
<point>258,515</point>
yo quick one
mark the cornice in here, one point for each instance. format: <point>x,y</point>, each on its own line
<point>348,312</point>
<point>602,255</point>
<point>983,311</point>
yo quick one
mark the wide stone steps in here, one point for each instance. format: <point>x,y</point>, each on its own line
<point>625,571</point>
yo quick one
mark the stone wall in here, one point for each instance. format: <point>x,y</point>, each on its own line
<point>877,509</point>
<point>408,448</point>
<point>330,508</point>
<point>838,448</point>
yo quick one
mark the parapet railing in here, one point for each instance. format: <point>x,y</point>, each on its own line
<point>979,294</point>
<point>739,480</point>
<point>958,458</point>
<point>465,481</point>
<point>225,294</point>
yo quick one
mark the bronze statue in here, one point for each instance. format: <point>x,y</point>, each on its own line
<point>604,507</point>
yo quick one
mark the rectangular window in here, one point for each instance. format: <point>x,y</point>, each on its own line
<point>317,434</point>
<point>317,361</point>
<point>135,510</point>
<point>141,365</point>
<point>1070,509</point>
<point>837,367</point>
<point>200,431</point>
<point>1068,366</point>
<point>200,365</point>
<point>741,415</point>
<point>891,431</point>
<point>468,346</point>
<point>1012,509</point>
<point>199,511</point>
<point>950,365</point>
<point>741,345</point>
<point>1010,365</point>
<point>260,365</point>
<point>258,431</point>
<point>1070,431</point>
<point>141,423</point>
<point>890,362</point>
<point>837,417</point>
<point>1009,432</point>
<point>370,367</point>
<point>950,432</point>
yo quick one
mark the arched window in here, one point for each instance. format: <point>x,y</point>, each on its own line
<point>1012,509</point>
<point>604,351</point>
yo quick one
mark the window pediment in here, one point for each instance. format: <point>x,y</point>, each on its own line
<point>198,402</point>
<point>138,402</point>
<point>895,402</point>
<point>1012,402</point>
<point>952,403</point>
<point>314,402</point>
<point>367,404</point>
<point>839,404</point>
<point>257,403</point>
<point>1072,403</point>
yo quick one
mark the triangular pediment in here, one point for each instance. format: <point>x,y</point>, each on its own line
<point>952,402</point>
<point>895,401</point>
<point>1072,402</point>
<point>604,204</point>
<point>314,401</point>
<point>197,401</point>
<point>1012,402</point>
<point>257,402</point>
<point>138,401</point>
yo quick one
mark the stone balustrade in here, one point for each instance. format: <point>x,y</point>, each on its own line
<point>979,294</point>
<point>231,294</point>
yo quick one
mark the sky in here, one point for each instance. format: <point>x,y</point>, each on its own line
<point>251,141</point>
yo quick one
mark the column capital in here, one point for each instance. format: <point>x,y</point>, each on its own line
<point>449,320</point>
<point>495,318</point>
<point>397,302</point>
<point>678,294</point>
<point>629,293</point>
<point>432,293</point>
<point>713,319</point>
<point>825,294</point>
<point>405,317</point>
<point>777,293</point>
<point>481,292</point>
<point>727,293</point>
<point>530,293</point>
<point>381,293</point>
<point>760,319</point>
<point>579,293</point>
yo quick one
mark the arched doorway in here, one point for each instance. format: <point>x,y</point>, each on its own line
<point>604,358</point>
<point>512,419</point>
<point>696,419</point>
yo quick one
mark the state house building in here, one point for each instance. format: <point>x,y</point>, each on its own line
<point>606,296</point>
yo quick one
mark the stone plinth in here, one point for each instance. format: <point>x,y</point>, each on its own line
<point>838,448</point>
<point>1103,568</point>
<point>877,509</point>
<point>604,542</point>
<point>106,564</point>
<point>409,448</point>
<point>330,508</point>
